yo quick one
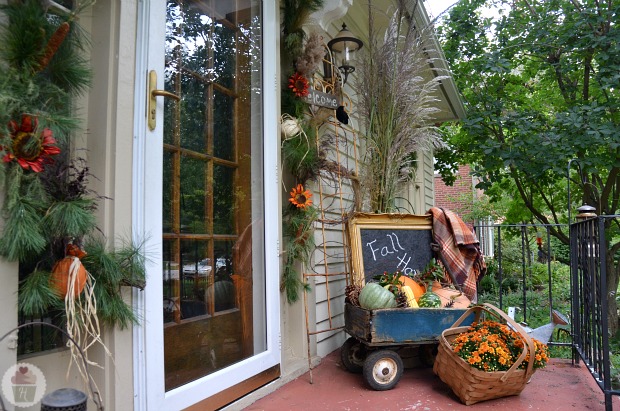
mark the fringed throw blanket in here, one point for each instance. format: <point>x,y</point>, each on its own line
<point>459,250</point>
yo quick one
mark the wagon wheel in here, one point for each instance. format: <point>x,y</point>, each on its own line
<point>383,369</point>
<point>353,353</point>
<point>428,352</point>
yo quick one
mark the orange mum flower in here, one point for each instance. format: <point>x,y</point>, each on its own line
<point>300,198</point>
<point>298,84</point>
<point>31,151</point>
<point>491,346</point>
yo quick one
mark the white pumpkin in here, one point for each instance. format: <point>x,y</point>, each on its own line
<point>290,128</point>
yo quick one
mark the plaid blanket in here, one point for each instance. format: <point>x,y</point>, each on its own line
<point>459,250</point>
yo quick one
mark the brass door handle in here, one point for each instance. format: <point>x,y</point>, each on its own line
<point>153,92</point>
<point>165,93</point>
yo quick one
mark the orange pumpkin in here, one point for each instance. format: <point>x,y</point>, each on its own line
<point>59,280</point>
<point>417,288</point>
<point>448,294</point>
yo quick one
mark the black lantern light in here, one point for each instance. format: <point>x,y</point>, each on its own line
<point>344,45</point>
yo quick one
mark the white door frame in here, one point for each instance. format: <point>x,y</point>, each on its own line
<point>148,363</point>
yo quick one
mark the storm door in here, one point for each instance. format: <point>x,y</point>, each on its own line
<point>212,276</point>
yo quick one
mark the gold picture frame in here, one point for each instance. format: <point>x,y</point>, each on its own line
<point>388,239</point>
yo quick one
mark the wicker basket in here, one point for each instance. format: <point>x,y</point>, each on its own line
<point>470,384</point>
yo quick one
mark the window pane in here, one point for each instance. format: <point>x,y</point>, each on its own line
<point>223,130</point>
<point>196,274</point>
<point>172,308</point>
<point>224,40</point>
<point>224,290</point>
<point>193,118</point>
<point>223,200</point>
<point>193,196</point>
<point>168,206</point>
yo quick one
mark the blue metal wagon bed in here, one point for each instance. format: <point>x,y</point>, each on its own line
<point>378,336</point>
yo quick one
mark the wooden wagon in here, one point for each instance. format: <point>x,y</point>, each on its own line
<point>378,337</point>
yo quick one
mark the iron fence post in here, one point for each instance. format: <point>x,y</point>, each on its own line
<point>605,337</point>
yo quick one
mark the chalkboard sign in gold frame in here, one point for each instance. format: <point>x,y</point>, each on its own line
<point>388,242</point>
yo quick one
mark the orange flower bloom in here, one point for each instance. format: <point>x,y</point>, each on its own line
<point>491,346</point>
<point>31,151</point>
<point>300,198</point>
<point>298,84</point>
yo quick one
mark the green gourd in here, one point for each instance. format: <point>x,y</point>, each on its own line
<point>429,300</point>
<point>373,297</point>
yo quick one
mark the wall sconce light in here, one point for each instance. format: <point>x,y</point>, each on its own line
<point>345,44</point>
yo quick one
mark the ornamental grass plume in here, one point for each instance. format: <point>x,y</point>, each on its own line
<point>491,346</point>
<point>312,57</point>
<point>396,88</point>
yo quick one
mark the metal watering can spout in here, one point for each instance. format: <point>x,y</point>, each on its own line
<point>544,332</point>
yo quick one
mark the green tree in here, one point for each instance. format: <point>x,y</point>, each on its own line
<point>540,82</point>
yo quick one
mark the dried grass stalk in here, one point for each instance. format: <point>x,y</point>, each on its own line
<point>396,88</point>
<point>82,321</point>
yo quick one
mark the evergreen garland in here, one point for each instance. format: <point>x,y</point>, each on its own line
<point>300,151</point>
<point>295,14</point>
<point>47,203</point>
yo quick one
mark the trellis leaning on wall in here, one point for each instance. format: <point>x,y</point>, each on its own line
<point>329,268</point>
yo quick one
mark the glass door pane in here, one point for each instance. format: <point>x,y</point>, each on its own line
<point>213,268</point>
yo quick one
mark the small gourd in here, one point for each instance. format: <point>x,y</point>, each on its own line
<point>373,297</point>
<point>411,302</point>
<point>429,300</point>
<point>69,269</point>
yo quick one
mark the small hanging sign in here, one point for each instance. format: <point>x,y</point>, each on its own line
<point>317,98</point>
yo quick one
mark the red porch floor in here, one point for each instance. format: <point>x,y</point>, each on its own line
<point>559,386</point>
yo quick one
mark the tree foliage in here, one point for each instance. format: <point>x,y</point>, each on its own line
<point>540,83</point>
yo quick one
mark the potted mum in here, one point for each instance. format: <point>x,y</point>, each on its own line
<point>489,359</point>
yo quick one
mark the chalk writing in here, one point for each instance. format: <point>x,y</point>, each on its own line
<point>317,98</point>
<point>394,250</point>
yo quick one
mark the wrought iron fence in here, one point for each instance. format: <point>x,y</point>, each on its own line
<point>590,329</point>
<point>524,263</point>
<point>516,254</point>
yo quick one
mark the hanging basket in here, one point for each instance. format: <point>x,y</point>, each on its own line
<point>472,385</point>
<point>68,274</point>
